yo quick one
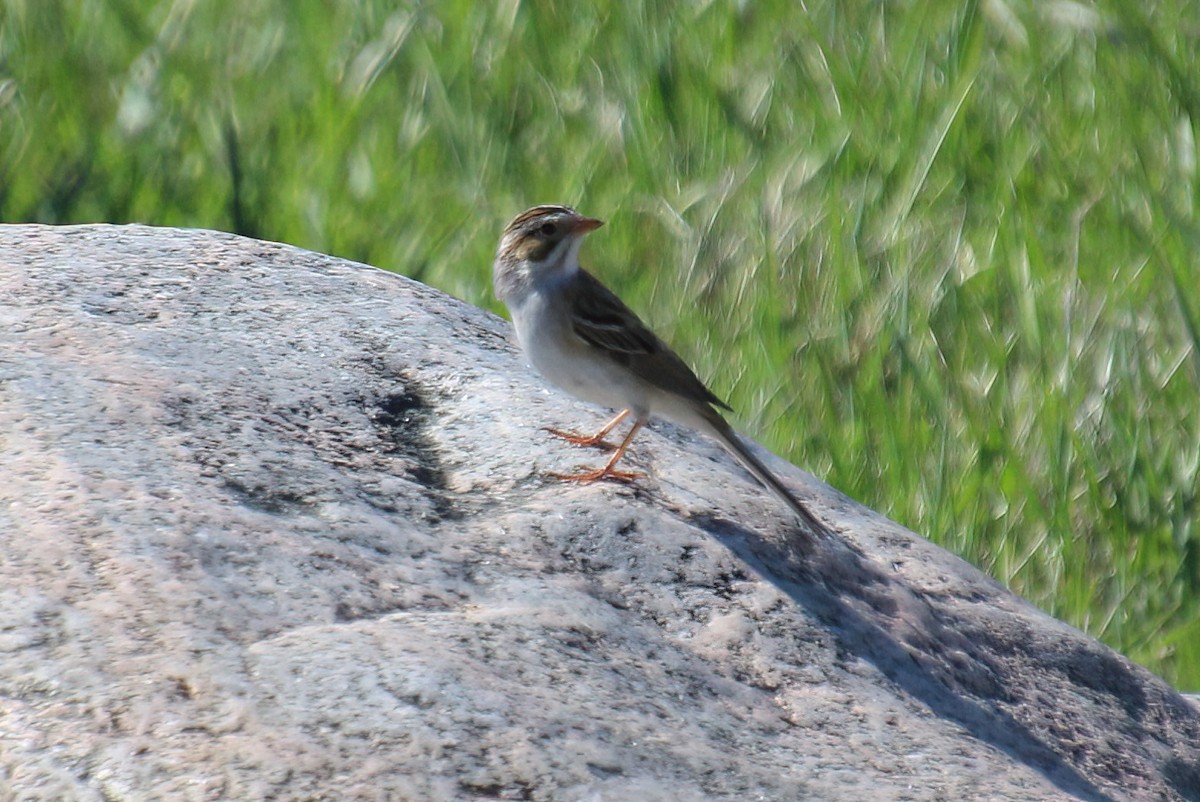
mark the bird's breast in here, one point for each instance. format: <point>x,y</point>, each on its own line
<point>546,335</point>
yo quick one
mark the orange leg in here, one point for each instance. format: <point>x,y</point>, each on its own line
<point>609,471</point>
<point>596,439</point>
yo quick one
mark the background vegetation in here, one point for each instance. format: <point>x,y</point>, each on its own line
<point>941,254</point>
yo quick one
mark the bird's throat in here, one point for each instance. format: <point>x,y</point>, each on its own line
<point>568,265</point>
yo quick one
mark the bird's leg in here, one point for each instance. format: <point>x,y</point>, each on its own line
<point>609,471</point>
<point>596,439</point>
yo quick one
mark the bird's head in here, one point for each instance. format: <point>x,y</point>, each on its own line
<point>539,244</point>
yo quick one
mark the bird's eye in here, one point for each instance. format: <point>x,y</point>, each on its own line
<point>548,229</point>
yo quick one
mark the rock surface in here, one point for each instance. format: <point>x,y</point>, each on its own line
<point>276,526</point>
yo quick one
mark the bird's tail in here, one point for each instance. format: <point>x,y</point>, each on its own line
<point>733,444</point>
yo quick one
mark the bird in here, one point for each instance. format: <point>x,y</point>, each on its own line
<point>581,337</point>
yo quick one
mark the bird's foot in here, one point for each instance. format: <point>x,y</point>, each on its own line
<point>600,473</point>
<point>589,440</point>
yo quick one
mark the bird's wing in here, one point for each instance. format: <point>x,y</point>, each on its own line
<point>603,321</point>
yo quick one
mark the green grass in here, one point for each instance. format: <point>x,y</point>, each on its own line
<point>942,254</point>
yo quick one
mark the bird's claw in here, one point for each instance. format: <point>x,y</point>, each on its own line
<point>588,440</point>
<point>598,474</point>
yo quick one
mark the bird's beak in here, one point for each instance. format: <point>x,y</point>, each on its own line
<point>586,224</point>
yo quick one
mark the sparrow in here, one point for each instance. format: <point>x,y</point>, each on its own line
<point>584,339</point>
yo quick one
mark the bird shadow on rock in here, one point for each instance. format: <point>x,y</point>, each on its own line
<point>878,618</point>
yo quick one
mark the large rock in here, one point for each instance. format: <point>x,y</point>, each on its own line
<point>277,526</point>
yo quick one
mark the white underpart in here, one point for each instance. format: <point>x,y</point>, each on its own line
<point>560,355</point>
